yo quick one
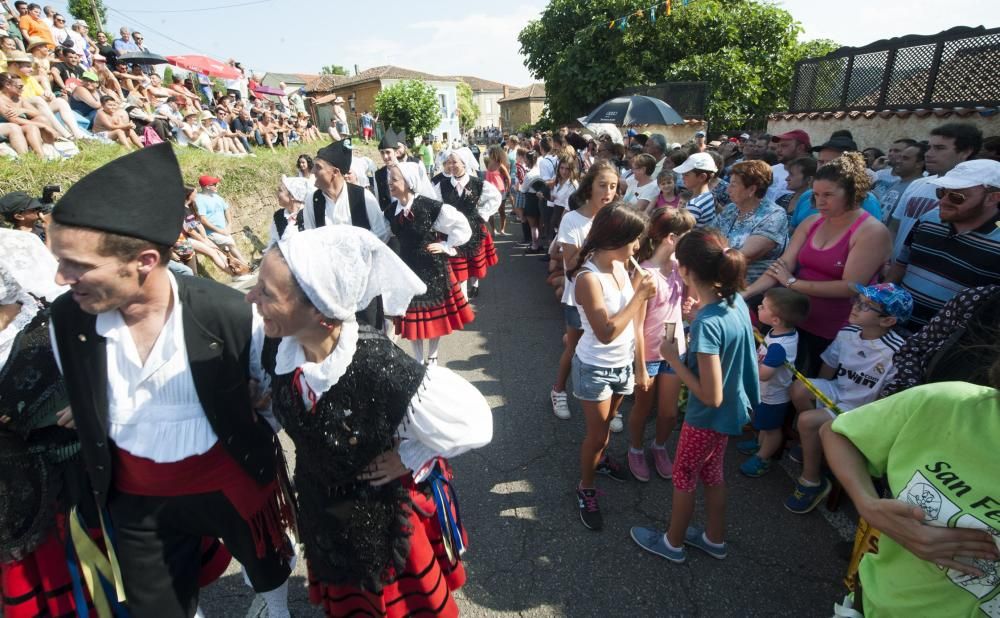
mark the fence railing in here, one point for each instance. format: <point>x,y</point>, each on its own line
<point>955,68</point>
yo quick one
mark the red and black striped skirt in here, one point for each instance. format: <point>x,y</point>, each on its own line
<point>423,589</point>
<point>40,583</point>
<point>475,265</point>
<point>423,321</point>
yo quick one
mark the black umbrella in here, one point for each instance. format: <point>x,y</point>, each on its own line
<point>142,58</point>
<point>635,109</point>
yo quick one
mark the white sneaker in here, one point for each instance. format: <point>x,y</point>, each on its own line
<point>560,407</point>
<point>617,424</point>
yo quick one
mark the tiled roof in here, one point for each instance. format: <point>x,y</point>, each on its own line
<point>325,83</point>
<point>960,112</point>
<point>479,84</point>
<point>375,73</point>
<point>534,91</point>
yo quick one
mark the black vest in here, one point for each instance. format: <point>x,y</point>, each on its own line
<point>467,205</point>
<point>382,184</point>
<point>217,331</point>
<point>281,222</point>
<point>351,530</point>
<point>356,201</point>
<point>414,236</point>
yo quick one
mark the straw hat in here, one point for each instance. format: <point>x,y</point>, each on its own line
<point>37,41</point>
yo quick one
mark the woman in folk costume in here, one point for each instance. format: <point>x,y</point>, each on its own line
<point>478,201</point>
<point>292,195</point>
<point>381,535</point>
<point>417,221</point>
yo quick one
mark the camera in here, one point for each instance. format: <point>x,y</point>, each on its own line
<point>48,193</point>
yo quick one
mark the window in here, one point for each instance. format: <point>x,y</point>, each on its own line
<point>444,104</point>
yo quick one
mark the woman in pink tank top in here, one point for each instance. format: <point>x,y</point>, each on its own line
<point>831,250</point>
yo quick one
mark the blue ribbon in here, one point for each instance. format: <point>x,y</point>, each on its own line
<point>79,599</point>
<point>447,511</point>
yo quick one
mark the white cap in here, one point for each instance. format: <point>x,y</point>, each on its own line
<point>968,174</point>
<point>698,161</point>
<point>675,146</point>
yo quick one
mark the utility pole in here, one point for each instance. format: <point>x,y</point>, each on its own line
<point>97,17</point>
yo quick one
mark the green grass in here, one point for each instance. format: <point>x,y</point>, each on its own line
<point>249,184</point>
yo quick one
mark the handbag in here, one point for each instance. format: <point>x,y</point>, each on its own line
<point>149,137</point>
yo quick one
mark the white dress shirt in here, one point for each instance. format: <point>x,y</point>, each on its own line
<point>449,222</point>
<point>338,212</point>
<point>489,201</point>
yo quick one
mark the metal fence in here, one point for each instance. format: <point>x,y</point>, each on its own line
<point>955,68</point>
<point>688,98</point>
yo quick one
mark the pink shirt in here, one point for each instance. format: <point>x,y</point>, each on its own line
<point>826,315</point>
<point>664,307</point>
<point>495,178</point>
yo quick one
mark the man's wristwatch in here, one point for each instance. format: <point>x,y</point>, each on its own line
<point>791,280</point>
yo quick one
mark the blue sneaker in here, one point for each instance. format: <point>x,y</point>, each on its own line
<point>652,541</point>
<point>755,467</point>
<point>694,537</point>
<point>805,499</point>
<point>748,447</point>
<point>795,453</point>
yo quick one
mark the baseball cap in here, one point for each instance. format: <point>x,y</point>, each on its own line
<point>207,180</point>
<point>842,144</point>
<point>699,134</point>
<point>798,135</point>
<point>19,201</point>
<point>90,76</point>
<point>968,174</point>
<point>744,136</point>
<point>895,301</point>
<point>698,161</point>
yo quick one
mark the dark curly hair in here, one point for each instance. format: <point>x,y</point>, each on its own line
<point>848,171</point>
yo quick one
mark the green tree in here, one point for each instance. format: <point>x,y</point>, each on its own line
<point>411,105</point>
<point>84,9</point>
<point>168,75</point>
<point>468,111</point>
<point>333,69</point>
<point>744,49</point>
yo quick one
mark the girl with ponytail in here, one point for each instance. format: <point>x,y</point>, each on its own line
<point>602,367</point>
<point>720,371</point>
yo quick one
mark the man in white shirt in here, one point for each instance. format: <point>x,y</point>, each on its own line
<point>789,146</point>
<point>158,372</point>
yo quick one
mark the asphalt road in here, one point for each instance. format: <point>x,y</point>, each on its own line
<point>529,554</point>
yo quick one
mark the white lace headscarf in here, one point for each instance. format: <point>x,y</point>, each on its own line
<point>298,187</point>
<point>416,180</point>
<point>342,268</point>
<point>26,268</point>
<point>465,156</point>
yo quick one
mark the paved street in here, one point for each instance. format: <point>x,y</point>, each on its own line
<point>530,556</point>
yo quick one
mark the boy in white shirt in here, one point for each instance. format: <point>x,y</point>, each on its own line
<point>782,309</point>
<point>855,367</point>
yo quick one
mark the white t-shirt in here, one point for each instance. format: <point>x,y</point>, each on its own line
<point>779,183</point>
<point>633,192</point>
<point>573,230</point>
<point>863,365</point>
<point>530,177</point>
<point>561,193</point>
<point>547,167</point>
<point>775,352</point>
<point>919,199</point>
<point>621,351</point>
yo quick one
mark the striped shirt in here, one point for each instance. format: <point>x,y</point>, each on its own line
<point>703,208</point>
<point>941,263</point>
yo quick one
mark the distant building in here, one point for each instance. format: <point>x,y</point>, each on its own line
<point>359,93</point>
<point>486,95</point>
<point>292,81</point>
<point>521,107</point>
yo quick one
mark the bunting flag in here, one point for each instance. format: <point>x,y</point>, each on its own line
<point>622,22</point>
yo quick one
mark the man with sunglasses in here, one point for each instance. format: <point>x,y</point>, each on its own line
<point>956,245</point>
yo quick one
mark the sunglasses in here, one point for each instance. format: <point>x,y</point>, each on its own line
<point>862,304</point>
<point>954,197</point>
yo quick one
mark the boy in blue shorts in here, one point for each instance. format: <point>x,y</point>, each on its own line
<point>782,309</point>
<point>856,366</point>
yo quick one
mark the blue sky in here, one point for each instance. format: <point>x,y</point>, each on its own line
<point>447,37</point>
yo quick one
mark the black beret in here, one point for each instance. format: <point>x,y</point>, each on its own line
<point>389,140</point>
<point>338,154</point>
<point>140,195</point>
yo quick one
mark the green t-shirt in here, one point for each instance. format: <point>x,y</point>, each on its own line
<point>426,154</point>
<point>938,444</point>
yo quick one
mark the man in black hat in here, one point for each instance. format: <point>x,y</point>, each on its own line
<point>157,370</point>
<point>387,148</point>
<point>25,213</point>
<point>337,201</point>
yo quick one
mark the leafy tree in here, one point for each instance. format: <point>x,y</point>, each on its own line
<point>84,9</point>
<point>468,111</point>
<point>744,49</point>
<point>333,69</point>
<point>168,75</point>
<point>411,105</point>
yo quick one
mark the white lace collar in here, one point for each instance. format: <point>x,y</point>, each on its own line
<point>319,377</point>
<point>460,181</point>
<point>29,309</point>
<point>400,207</point>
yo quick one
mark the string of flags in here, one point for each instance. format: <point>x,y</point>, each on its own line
<point>665,8</point>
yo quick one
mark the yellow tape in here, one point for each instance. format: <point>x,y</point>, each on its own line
<point>805,382</point>
<point>93,563</point>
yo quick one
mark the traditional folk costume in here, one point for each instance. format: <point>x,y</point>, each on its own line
<point>478,201</point>
<point>171,446</point>
<point>284,222</point>
<point>392,550</point>
<point>417,224</point>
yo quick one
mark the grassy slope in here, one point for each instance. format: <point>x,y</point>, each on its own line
<point>249,184</point>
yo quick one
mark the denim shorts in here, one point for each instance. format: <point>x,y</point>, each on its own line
<point>571,315</point>
<point>592,383</point>
<point>655,368</point>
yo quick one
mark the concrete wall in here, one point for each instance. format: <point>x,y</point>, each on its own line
<point>879,132</point>
<point>489,109</point>
<point>679,133</point>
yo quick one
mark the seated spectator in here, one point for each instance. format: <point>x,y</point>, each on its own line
<point>33,26</point>
<point>956,245</point>
<point>85,99</point>
<point>908,166</point>
<point>216,216</point>
<point>268,129</point>
<point>36,130</point>
<point>751,223</point>
<point>33,95</point>
<point>107,51</point>
<point>224,140</point>
<point>113,123</point>
<point>938,542</point>
<point>196,235</point>
<point>799,182</point>
<point>187,97</point>
<point>170,112</point>
<point>24,213</point>
<point>829,151</point>
<point>948,145</point>
<point>245,129</point>
<point>81,43</point>
<point>107,77</point>
<point>41,63</point>
<point>641,189</point>
<point>192,133</point>
<point>696,172</point>
<point>839,246</point>
<point>65,74</point>
<point>855,367</point>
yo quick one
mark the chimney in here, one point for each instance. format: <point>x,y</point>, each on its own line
<point>506,91</point>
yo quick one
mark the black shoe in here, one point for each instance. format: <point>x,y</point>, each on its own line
<point>473,291</point>
<point>611,469</point>
<point>590,511</point>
